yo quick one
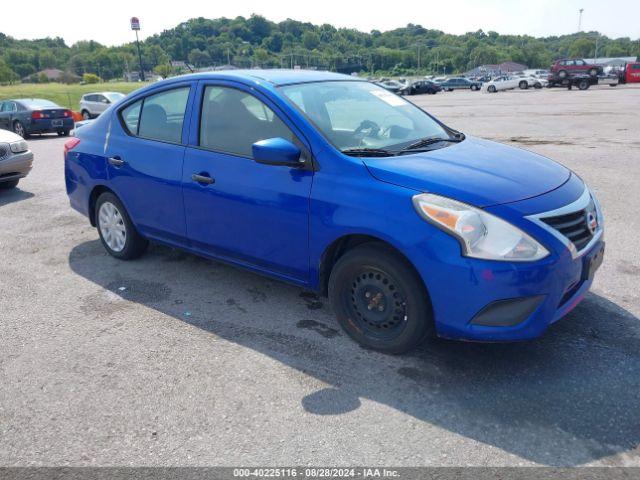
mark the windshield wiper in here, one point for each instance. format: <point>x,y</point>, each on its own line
<point>368,152</point>
<point>425,142</point>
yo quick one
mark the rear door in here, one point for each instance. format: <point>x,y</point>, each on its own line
<point>144,162</point>
<point>249,213</point>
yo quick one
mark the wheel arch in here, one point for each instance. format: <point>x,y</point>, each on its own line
<point>341,245</point>
<point>93,198</point>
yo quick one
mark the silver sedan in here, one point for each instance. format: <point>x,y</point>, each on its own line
<point>15,159</point>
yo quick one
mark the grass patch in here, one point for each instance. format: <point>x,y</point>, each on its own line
<point>67,96</point>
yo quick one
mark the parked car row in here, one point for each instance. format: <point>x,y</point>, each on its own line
<point>29,116</point>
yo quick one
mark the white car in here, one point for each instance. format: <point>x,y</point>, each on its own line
<point>15,159</point>
<point>93,104</point>
<point>501,83</point>
<point>527,81</point>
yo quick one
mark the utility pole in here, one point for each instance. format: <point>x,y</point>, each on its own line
<point>135,26</point>
<point>580,20</point>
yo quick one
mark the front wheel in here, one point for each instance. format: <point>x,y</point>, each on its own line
<point>523,85</point>
<point>117,233</point>
<point>86,115</point>
<point>537,85</point>
<point>491,89</point>
<point>379,299</point>
<point>9,185</point>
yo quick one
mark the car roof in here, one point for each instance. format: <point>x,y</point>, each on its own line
<point>275,77</point>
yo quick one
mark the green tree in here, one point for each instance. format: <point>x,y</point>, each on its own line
<point>90,78</point>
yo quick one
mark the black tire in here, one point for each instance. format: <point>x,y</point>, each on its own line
<point>523,85</point>
<point>18,129</point>
<point>537,85</point>
<point>135,244</point>
<point>492,89</point>
<point>562,74</point>
<point>63,133</point>
<point>583,84</point>
<point>9,185</point>
<point>593,72</point>
<point>379,299</point>
<point>86,115</point>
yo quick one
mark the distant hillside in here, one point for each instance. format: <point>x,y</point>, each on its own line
<point>256,41</point>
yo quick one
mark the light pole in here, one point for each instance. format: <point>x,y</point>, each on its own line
<point>580,19</point>
<point>135,26</point>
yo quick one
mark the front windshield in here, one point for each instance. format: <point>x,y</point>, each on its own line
<point>356,115</point>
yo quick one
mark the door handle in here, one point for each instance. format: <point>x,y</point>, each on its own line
<point>202,179</point>
<point>116,161</point>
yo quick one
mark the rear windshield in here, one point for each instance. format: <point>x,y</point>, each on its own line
<point>38,103</point>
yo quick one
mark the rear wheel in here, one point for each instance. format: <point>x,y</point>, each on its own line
<point>562,74</point>
<point>117,233</point>
<point>9,185</point>
<point>492,89</point>
<point>583,84</point>
<point>593,72</point>
<point>86,115</point>
<point>523,85</point>
<point>19,129</point>
<point>379,299</point>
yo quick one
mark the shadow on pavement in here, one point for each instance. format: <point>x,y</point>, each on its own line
<point>13,195</point>
<point>568,398</point>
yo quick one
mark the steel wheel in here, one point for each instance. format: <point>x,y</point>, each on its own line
<point>112,226</point>
<point>377,304</point>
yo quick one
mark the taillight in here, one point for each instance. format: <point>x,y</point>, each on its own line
<point>67,113</point>
<point>70,145</point>
<point>37,114</point>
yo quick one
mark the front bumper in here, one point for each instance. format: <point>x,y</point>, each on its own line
<point>483,300</point>
<point>16,166</point>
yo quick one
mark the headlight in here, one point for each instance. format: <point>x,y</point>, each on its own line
<point>480,234</point>
<point>19,146</point>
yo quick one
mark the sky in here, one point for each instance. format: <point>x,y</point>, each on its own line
<point>108,22</point>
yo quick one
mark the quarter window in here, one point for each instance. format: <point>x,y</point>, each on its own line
<point>232,121</point>
<point>130,116</point>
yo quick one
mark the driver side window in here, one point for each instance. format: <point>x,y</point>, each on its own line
<point>231,121</point>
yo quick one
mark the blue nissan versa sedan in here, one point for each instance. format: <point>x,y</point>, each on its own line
<point>339,186</point>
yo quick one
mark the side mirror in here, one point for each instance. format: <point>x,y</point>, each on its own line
<point>277,151</point>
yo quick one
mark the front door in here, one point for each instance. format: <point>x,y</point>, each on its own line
<point>235,208</point>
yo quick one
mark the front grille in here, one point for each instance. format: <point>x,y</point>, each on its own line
<point>4,151</point>
<point>575,225</point>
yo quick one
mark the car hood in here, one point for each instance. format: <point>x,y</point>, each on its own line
<point>474,171</point>
<point>9,137</point>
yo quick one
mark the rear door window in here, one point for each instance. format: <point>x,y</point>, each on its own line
<point>158,117</point>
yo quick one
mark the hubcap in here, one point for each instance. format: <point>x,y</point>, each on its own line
<point>377,305</point>
<point>85,116</point>
<point>19,129</point>
<point>112,227</point>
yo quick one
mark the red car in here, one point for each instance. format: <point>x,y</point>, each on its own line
<point>567,66</point>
